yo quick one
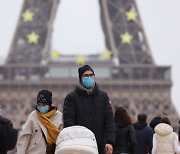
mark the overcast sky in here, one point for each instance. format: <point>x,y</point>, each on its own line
<point>160,19</point>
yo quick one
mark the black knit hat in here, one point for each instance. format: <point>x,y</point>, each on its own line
<point>45,97</point>
<point>83,69</point>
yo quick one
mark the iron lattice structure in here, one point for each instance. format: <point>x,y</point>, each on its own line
<point>130,76</point>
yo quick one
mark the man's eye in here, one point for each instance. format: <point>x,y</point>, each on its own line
<point>87,75</point>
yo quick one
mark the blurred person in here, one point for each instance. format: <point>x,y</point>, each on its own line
<point>179,133</point>
<point>1,112</point>
<point>144,135</point>
<point>41,128</point>
<point>165,141</point>
<point>155,121</point>
<point>125,135</point>
<point>90,107</point>
<point>8,134</point>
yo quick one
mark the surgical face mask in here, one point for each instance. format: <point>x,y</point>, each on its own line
<point>43,109</point>
<point>88,82</point>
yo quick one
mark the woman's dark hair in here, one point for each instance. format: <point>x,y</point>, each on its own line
<point>155,121</point>
<point>165,120</point>
<point>121,117</point>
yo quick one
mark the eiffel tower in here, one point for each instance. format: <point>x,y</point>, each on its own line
<point>130,75</point>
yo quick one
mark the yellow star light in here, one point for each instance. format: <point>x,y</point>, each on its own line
<point>126,38</point>
<point>80,59</point>
<point>54,54</point>
<point>27,16</point>
<point>32,38</point>
<point>131,15</point>
<point>106,54</point>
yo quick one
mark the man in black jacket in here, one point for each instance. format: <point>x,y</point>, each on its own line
<point>144,135</point>
<point>88,106</point>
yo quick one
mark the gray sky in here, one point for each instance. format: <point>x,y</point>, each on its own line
<point>160,19</point>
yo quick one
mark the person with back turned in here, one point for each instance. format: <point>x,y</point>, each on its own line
<point>125,135</point>
<point>164,139</point>
<point>144,135</point>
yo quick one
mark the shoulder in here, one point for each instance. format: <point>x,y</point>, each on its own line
<point>102,93</point>
<point>58,113</point>
<point>4,120</point>
<point>149,129</point>
<point>71,94</point>
<point>57,118</point>
<point>32,116</point>
<point>130,127</point>
<point>31,121</point>
<point>70,98</point>
<point>174,134</point>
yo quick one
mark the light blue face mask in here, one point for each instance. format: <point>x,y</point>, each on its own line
<point>88,82</point>
<point>43,109</point>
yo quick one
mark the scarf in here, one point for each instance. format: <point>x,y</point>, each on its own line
<point>52,130</point>
<point>88,91</point>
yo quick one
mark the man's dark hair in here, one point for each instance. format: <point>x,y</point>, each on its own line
<point>142,117</point>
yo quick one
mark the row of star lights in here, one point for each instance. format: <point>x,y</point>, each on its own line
<point>33,37</point>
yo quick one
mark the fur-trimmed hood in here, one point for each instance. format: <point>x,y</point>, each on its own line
<point>163,129</point>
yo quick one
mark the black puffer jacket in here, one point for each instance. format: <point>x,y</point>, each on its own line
<point>92,111</point>
<point>144,135</point>
<point>125,140</point>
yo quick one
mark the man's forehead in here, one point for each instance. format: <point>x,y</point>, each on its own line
<point>88,71</point>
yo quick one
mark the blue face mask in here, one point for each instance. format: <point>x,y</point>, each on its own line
<point>88,82</point>
<point>43,109</point>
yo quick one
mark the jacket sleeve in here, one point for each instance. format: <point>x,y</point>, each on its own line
<point>132,139</point>
<point>24,138</point>
<point>176,144</point>
<point>69,111</point>
<point>109,123</point>
<point>154,145</point>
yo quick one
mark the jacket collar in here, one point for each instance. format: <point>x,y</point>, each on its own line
<point>80,89</point>
<point>139,125</point>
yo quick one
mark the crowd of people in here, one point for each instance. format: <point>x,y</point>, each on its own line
<point>90,107</point>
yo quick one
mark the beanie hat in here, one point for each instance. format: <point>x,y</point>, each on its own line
<point>83,69</point>
<point>45,97</point>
